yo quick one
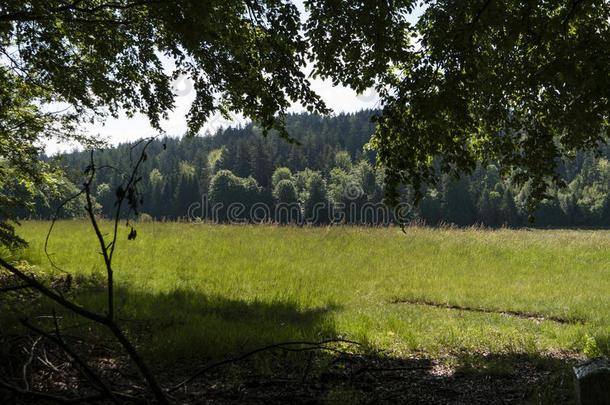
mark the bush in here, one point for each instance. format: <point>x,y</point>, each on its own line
<point>144,217</point>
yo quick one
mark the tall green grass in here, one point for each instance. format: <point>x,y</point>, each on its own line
<point>210,290</point>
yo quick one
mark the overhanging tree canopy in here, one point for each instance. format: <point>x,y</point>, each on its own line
<point>520,83</point>
<point>64,63</point>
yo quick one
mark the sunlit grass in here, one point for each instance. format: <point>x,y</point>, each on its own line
<point>208,290</point>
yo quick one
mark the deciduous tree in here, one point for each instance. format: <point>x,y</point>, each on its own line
<point>520,83</point>
<point>67,62</point>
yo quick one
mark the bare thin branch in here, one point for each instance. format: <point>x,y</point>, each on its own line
<point>48,397</point>
<point>281,346</point>
<point>58,340</point>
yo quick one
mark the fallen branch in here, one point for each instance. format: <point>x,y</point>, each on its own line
<point>282,346</point>
<point>48,397</point>
<point>381,369</point>
<point>14,288</point>
<point>57,339</point>
<point>27,364</point>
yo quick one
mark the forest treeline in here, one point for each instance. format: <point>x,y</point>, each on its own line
<point>237,174</point>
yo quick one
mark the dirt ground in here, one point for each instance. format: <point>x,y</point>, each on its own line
<point>277,376</point>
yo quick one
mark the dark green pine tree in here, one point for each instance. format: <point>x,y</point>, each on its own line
<point>166,203</point>
<point>262,167</point>
<point>488,208</point>
<point>456,203</point>
<point>316,203</point>
<point>185,194</point>
<point>430,208</point>
<point>508,209</point>
<point>241,166</point>
<point>227,159</point>
<point>605,213</point>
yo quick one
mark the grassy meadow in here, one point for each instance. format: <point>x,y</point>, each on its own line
<point>187,290</point>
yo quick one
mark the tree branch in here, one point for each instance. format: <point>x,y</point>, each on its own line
<point>14,288</point>
<point>568,17</point>
<point>282,346</point>
<point>53,12</point>
<point>53,295</point>
<point>130,193</point>
<point>58,340</point>
<point>48,397</point>
<point>477,17</point>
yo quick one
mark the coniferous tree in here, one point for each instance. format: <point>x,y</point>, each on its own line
<point>178,174</point>
<point>316,204</point>
<point>456,202</point>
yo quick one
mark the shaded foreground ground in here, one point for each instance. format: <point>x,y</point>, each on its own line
<point>381,379</point>
<point>444,316</point>
<point>314,377</point>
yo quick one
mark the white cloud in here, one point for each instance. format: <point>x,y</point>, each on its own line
<point>124,129</point>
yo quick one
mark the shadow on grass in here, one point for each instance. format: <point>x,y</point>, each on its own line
<point>186,330</point>
<point>183,331</point>
<point>186,324</point>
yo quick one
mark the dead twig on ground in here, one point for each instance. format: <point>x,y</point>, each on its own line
<point>286,346</point>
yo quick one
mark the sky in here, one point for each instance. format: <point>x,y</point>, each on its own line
<point>124,129</point>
